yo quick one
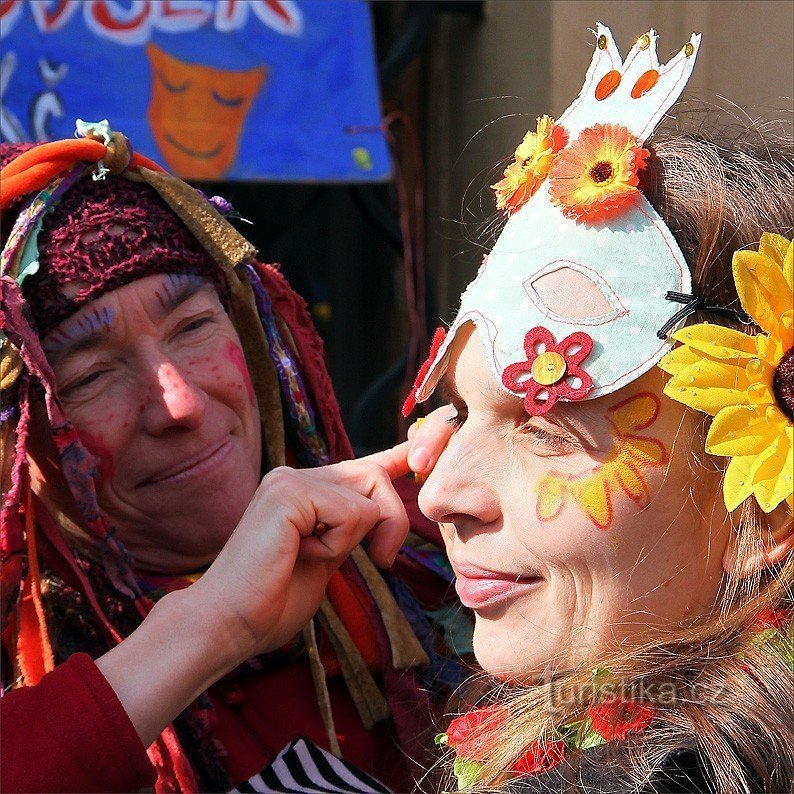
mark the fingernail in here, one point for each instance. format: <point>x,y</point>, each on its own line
<point>419,459</point>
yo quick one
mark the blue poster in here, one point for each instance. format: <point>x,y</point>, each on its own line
<point>212,89</point>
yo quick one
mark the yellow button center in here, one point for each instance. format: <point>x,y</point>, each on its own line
<point>548,368</point>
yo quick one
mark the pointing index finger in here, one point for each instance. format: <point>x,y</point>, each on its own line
<point>394,460</point>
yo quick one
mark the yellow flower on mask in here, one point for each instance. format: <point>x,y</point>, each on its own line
<point>531,163</point>
<point>747,382</point>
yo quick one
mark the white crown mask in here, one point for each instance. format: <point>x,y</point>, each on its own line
<point>603,279</point>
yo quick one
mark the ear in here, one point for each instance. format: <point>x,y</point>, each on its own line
<point>774,545</point>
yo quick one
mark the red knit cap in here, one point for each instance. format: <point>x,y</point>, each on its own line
<point>102,235</point>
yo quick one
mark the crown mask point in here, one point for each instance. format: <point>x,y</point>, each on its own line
<point>635,92</point>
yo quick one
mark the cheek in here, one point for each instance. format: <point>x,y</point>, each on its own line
<point>101,448</point>
<point>234,354</point>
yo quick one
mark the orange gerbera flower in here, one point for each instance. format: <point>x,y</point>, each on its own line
<point>531,163</point>
<point>598,172</point>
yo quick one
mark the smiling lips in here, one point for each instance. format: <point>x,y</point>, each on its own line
<point>197,464</point>
<point>479,588</point>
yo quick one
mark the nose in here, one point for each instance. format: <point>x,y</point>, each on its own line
<point>172,400</point>
<point>462,489</point>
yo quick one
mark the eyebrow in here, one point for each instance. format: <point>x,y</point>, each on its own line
<point>178,288</point>
<point>81,333</point>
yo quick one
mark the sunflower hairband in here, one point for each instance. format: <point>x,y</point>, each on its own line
<point>747,382</point>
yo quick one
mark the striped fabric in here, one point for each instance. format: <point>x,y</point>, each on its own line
<point>305,768</point>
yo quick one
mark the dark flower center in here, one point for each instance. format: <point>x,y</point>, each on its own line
<point>783,384</point>
<point>601,172</point>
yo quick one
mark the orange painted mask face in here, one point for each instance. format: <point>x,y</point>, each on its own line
<point>572,532</point>
<point>197,113</point>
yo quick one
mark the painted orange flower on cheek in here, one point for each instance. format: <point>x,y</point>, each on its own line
<point>622,471</point>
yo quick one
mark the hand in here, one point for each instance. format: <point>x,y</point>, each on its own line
<point>264,586</point>
<point>428,440</point>
<point>270,577</point>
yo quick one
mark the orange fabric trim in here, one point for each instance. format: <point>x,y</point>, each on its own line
<point>351,605</point>
<point>71,150</point>
<point>34,169</point>
<point>31,180</point>
<point>34,652</point>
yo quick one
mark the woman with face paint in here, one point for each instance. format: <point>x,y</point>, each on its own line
<point>632,592</point>
<point>169,524</point>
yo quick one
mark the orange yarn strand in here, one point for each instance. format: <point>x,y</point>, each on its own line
<point>34,652</point>
<point>71,150</point>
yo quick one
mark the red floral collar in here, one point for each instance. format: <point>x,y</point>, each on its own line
<point>474,735</point>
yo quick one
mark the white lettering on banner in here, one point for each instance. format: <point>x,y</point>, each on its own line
<point>132,22</point>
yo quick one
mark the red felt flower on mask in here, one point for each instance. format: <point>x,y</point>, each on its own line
<point>616,718</point>
<point>540,757</point>
<point>546,375</point>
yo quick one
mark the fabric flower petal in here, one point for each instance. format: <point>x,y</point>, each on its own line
<point>739,430</point>
<point>775,246</point>
<point>674,361</point>
<point>709,385</point>
<point>717,341</point>
<point>737,485</point>
<point>762,289</point>
<point>772,476</point>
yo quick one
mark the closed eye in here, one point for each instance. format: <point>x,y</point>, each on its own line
<point>194,325</point>
<point>174,89</point>
<point>73,388</point>
<point>552,441</point>
<point>234,102</point>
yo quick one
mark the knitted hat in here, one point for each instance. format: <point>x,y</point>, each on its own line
<point>102,235</point>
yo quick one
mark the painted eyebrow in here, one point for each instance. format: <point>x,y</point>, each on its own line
<point>82,333</point>
<point>176,289</point>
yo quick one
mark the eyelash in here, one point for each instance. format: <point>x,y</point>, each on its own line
<point>560,443</point>
<point>554,441</point>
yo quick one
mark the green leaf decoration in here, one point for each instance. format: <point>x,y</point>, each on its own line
<point>787,650</point>
<point>467,772</point>
<point>440,739</point>
<point>601,676</point>
<point>569,733</point>
<point>763,637</point>
<point>591,739</point>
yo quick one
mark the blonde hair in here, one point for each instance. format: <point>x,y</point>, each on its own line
<point>718,186</point>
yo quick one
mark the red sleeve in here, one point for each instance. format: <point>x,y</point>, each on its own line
<point>70,733</point>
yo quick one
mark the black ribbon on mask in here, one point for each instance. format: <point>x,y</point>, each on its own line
<point>694,303</point>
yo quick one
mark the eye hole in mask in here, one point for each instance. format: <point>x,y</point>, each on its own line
<point>572,293</point>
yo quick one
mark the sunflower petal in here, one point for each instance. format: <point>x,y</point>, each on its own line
<point>737,485</point>
<point>773,474</point>
<point>775,246</point>
<point>788,266</point>
<point>674,361</point>
<point>762,289</point>
<point>717,341</point>
<point>710,385</point>
<point>740,430</point>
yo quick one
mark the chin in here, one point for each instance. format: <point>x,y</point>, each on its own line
<point>507,654</point>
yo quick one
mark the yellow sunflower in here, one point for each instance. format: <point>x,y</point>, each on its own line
<point>531,163</point>
<point>747,382</point>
